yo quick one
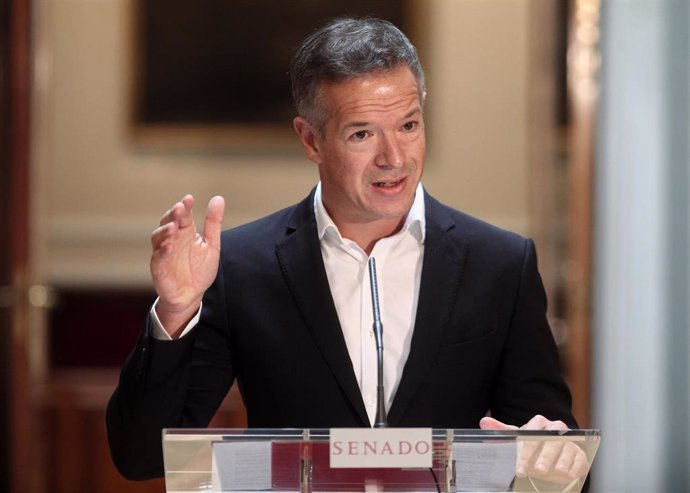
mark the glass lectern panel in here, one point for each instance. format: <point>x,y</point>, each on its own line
<point>299,460</point>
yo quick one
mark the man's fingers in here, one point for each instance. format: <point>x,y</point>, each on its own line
<point>488,423</point>
<point>534,456</point>
<point>566,459</point>
<point>213,222</point>
<point>528,451</point>
<point>180,212</point>
<point>161,234</point>
<point>539,422</point>
<point>554,460</point>
<point>546,459</point>
<point>179,217</point>
<point>551,450</point>
<point>172,214</point>
<point>186,217</point>
<point>580,464</point>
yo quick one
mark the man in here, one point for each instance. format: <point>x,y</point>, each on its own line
<point>286,305</point>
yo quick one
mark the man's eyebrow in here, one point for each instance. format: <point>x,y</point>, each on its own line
<point>410,113</point>
<point>357,124</point>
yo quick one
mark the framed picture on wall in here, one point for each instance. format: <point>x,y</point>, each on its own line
<point>214,73</point>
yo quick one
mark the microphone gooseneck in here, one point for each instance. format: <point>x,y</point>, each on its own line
<point>381,420</point>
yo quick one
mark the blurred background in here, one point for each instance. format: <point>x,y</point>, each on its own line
<point>564,120</point>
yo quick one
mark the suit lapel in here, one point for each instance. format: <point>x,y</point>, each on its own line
<point>442,268</point>
<point>302,265</point>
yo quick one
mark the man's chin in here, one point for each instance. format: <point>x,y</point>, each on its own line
<point>393,214</point>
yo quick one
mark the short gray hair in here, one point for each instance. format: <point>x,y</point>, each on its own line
<point>344,48</point>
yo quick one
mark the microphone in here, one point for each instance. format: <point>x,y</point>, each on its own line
<point>381,421</point>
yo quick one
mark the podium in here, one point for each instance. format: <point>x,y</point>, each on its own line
<point>302,460</point>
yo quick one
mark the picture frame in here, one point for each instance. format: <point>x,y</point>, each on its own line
<point>214,74</point>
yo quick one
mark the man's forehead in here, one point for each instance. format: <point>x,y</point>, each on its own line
<point>390,91</point>
<point>396,102</point>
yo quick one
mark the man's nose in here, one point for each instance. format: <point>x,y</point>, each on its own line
<point>390,153</point>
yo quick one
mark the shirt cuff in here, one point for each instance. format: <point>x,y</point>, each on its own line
<point>157,330</point>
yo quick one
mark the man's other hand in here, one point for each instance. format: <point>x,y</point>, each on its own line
<point>558,461</point>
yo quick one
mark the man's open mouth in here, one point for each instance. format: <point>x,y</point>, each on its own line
<point>388,184</point>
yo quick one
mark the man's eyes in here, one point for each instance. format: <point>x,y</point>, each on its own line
<point>361,135</point>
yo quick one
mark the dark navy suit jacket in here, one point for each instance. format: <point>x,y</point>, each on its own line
<point>481,342</point>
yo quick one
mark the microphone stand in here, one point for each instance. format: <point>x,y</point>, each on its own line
<point>381,420</point>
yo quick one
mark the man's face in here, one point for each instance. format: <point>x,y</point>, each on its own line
<point>371,151</point>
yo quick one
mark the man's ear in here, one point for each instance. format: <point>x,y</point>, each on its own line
<point>309,138</point>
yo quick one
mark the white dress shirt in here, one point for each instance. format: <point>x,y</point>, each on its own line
<point>399,271</point>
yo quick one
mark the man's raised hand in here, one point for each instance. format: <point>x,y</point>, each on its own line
<point>184,262</point>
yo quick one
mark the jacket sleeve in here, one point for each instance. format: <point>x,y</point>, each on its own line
<point>169,384</point>
<point>529,378</point>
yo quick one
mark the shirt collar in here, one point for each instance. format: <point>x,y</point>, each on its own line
<point>415,222</point>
